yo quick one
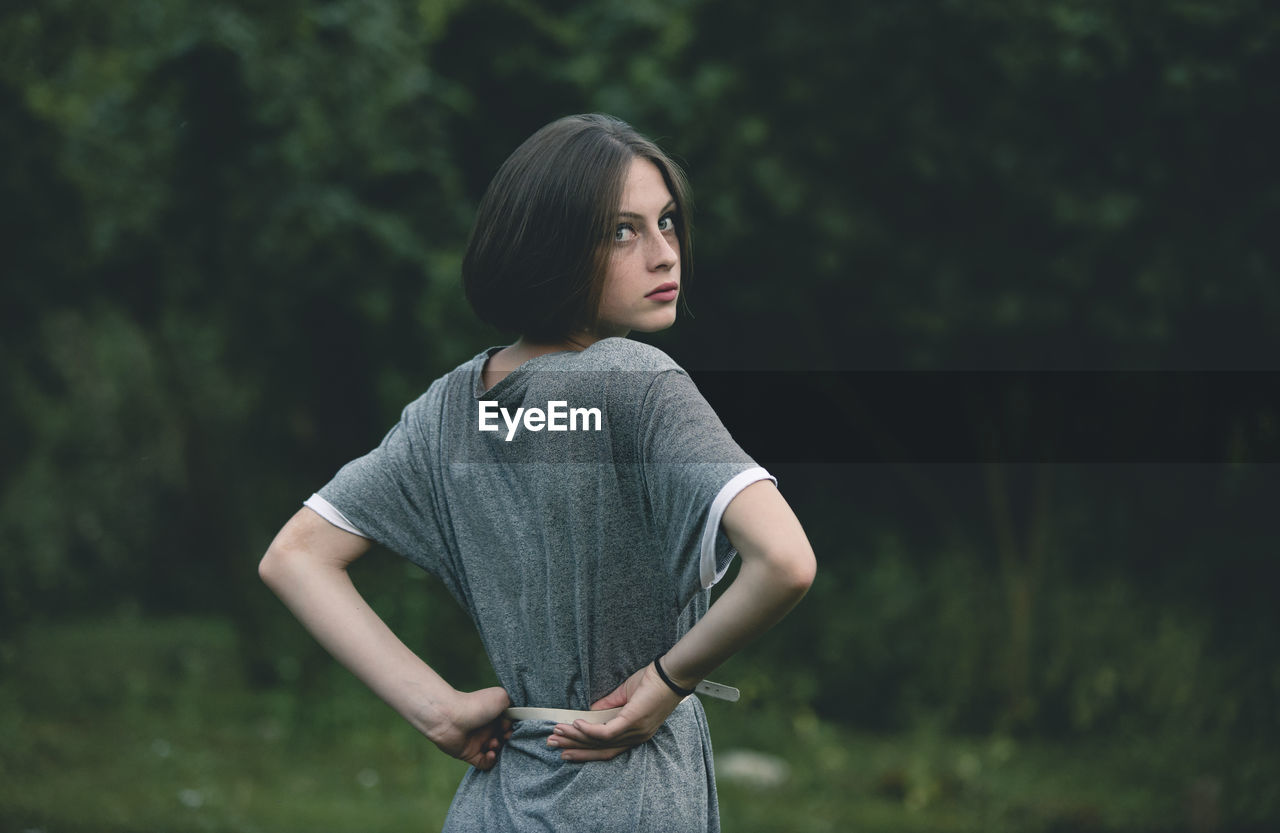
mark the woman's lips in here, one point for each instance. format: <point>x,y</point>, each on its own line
<point>666,292</point>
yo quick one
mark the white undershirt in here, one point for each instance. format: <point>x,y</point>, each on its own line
<point>330,513</point>
<point>707,565</point>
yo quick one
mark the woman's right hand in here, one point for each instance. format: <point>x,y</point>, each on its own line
<point>646,703</point>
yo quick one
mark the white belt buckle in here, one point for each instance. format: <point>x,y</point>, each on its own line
<point>720,691</point>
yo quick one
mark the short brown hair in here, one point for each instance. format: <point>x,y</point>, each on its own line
<point>536,260</point>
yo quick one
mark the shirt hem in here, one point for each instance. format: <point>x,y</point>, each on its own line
<point>330,513</point>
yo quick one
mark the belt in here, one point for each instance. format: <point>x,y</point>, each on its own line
<point>710,689</point>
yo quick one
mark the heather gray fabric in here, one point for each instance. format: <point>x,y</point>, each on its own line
<point>576,554</point>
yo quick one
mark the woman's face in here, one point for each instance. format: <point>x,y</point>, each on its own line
<point>642,280</point>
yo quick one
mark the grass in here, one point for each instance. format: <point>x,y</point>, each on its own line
<point>136,725</point>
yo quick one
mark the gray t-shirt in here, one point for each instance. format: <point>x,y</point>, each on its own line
<point>582,545</point>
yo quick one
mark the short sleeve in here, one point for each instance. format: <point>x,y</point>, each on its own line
<point>330,513</point>
<point>692,469</point>
<point>388,496</point>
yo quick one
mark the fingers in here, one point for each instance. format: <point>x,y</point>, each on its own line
<point>485,761</point>
<point>582,733</point>
<point>486,743</point>
<point>502,727</point>
<point>486,757</point>
<point>577,747</point>
<point>582,741</point>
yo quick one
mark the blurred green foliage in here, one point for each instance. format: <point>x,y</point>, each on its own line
<point>232,233</point>
<point>174,739</point>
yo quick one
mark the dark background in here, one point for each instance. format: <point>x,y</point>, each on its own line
<point>230,237</point>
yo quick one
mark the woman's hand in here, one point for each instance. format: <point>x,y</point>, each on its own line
<point>471,727</point>
<point>646,703</point>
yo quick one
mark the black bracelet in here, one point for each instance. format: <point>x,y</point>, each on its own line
<point>683,692</point>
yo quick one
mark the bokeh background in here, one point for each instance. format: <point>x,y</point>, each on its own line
<point>230,236</point>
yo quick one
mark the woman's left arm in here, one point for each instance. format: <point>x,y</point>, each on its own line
<point>306,566</point>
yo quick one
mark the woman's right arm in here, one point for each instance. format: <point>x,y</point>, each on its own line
<point>778,567</point>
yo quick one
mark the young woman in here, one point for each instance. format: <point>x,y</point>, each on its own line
<point>577,496</point>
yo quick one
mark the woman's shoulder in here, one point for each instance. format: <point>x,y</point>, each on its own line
<point>625,354</point>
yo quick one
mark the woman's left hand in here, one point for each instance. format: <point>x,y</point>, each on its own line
<point>473,728</point>
<point>646,703</point>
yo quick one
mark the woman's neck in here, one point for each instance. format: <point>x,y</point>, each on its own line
<point>506,360</point>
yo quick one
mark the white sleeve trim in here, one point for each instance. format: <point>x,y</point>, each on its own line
<point>707,564</point>
<point>330,513</point>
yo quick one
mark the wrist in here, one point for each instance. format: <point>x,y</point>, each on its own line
<point>681,687</point>
<point>435,714</point>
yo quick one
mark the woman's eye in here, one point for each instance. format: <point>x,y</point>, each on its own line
<point>623,233</point>
<point>667,223</point>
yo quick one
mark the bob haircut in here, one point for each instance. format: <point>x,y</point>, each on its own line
<point>540,247</point>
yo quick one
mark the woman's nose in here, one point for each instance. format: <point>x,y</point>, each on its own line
<point>662,253</point>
